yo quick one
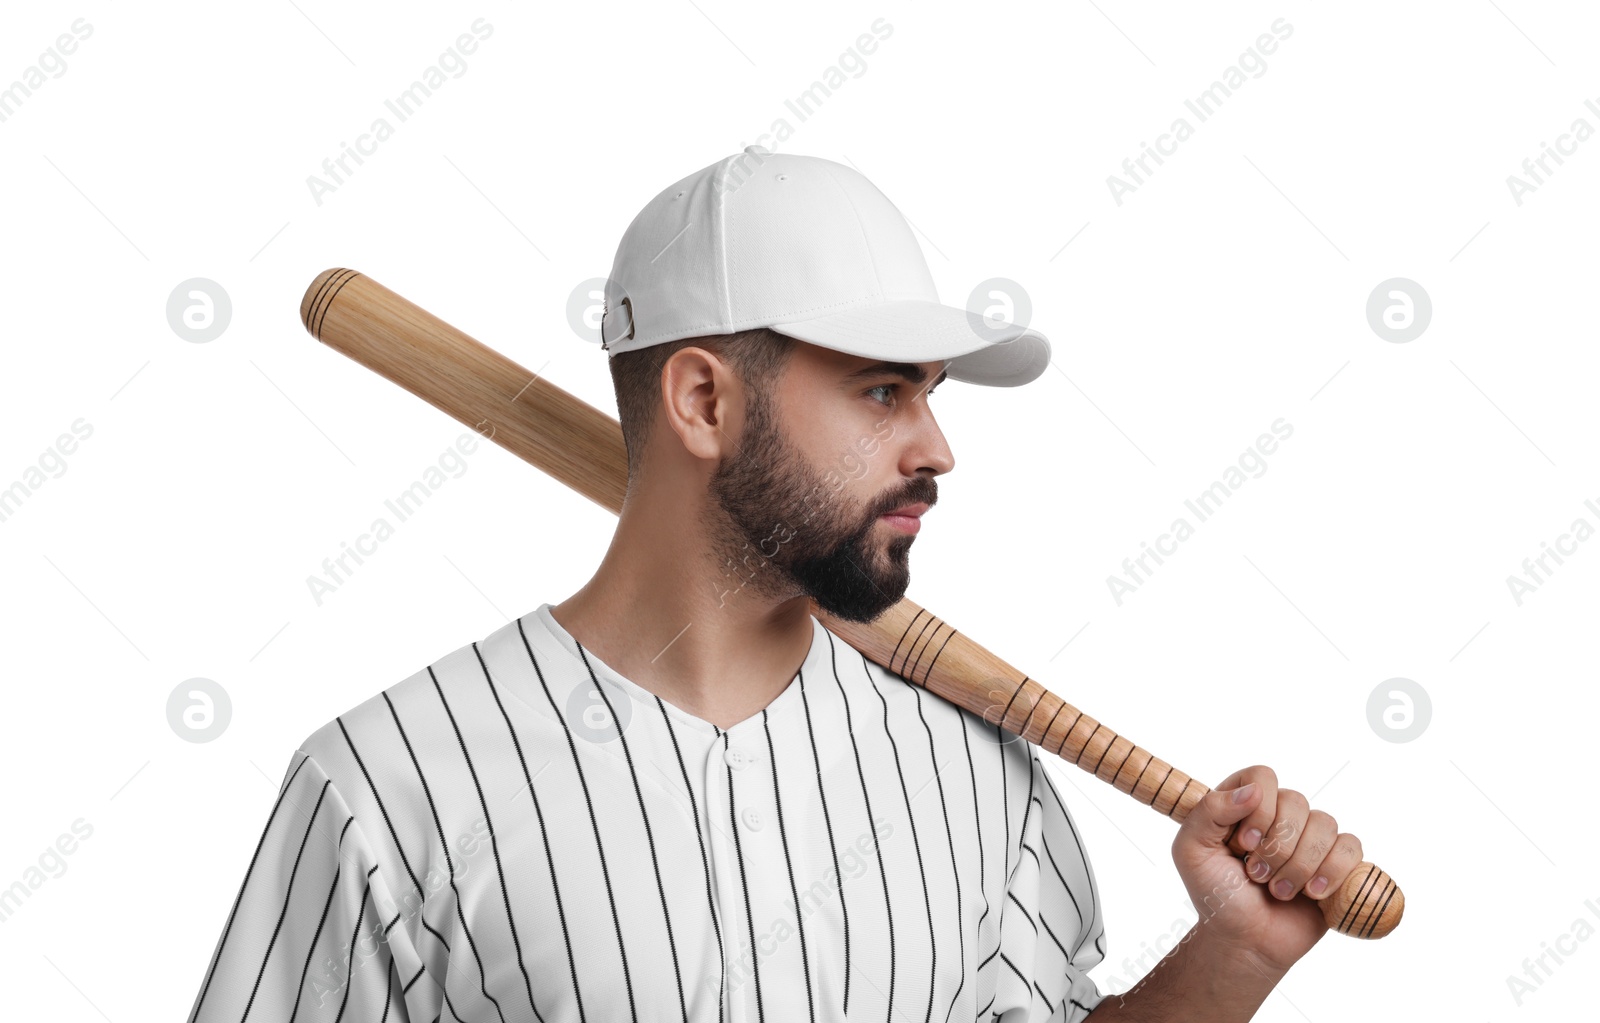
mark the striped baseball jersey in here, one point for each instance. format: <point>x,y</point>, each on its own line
<point>519,833</point>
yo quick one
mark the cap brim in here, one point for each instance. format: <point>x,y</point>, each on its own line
<point>911,330</point>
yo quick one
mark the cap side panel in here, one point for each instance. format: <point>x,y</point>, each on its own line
<point>866,239</point>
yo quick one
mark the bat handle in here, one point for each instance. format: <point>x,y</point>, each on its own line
<point>1367,905</point>
<point>927,651</point>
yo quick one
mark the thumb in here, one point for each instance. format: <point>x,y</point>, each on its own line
<point>1211,822</point>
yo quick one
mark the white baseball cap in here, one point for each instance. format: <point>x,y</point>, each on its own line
<point>809,248</point>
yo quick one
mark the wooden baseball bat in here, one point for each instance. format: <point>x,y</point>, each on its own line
<point>582,447</point>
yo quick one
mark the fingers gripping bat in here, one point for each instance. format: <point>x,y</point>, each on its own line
<point>582,447</point>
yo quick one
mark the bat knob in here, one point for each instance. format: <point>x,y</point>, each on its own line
<point>1368,905</point>
<point>314,304</point>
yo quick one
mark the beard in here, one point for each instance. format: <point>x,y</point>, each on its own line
<point>786,529</point>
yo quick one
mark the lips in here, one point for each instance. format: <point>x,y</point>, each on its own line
<point>905,523</point>
<point>907,518</point>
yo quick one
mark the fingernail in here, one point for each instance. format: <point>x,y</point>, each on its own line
<point>1250,839</point>
<point>1259,870</point>
<point>1244,792</point>
<point>1281,887</point>
<point>1317,885</point>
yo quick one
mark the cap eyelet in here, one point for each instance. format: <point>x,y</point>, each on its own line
<point>783,177</point>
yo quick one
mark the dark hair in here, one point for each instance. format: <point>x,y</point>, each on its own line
<point>758,356</point>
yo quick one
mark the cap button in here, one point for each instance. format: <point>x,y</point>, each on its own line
<point>757,150</point>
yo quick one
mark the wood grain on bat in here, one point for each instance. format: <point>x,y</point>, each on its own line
<point>582,447</point>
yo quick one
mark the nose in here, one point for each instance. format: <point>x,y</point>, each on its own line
<point>925,449</point>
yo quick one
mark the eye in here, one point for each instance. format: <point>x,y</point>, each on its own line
<point>895,388</point>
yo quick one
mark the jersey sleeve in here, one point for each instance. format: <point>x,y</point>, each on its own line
<point>1052,929</point>
<point>306,939</point>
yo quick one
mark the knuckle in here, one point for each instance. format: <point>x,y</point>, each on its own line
<point>1350,845</point>
<point>1279,841</point>
<point>1314,848</point>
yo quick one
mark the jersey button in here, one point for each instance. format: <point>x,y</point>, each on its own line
<point>736,758</point>
<point>752,818</point>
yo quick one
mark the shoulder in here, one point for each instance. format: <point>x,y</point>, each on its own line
<point>384,743</point>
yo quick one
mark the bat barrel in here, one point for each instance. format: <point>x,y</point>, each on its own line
<point>526,414</point>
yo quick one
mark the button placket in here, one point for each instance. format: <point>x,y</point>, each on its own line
<point>752,831</point>
<point>728,777</point>
<point>749,803</point>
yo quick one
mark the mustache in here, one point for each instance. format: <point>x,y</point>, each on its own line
<point>920,490</point>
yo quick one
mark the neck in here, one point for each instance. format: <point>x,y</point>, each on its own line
<point>705,637</point>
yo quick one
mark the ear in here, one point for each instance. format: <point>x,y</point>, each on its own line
<point>702,402</point>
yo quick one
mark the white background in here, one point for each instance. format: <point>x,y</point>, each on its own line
<point>1227,291</point>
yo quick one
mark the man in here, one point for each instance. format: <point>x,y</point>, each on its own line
<point>676,795</point>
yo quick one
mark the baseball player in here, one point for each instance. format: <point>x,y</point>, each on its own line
<point>676,795</point>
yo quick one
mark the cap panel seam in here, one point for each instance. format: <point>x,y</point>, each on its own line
<point>719,216</point>
<point>827,167</point>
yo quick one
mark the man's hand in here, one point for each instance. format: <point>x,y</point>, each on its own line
<point>1250,907</point>
<point>1252,926</point>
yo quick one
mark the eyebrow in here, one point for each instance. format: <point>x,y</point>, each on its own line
<point>909,370</point>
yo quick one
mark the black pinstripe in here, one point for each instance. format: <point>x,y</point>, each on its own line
<point>855,748</point>
<point>594,824</point>
<point>250,870</point>
<point>744,882</point>
<point>922,871</point>
<point>833,846</point>
<point>389,823</point>
<point>544,836</point>
<point>788,863</point>
<point>699,836</point>
<point>433,809</point>
<point>644,815</point>
<point>949,836</point>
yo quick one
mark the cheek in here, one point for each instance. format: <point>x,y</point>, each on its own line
<point>861,451</point>
<point>846,447</point>
<point>851,464</point>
